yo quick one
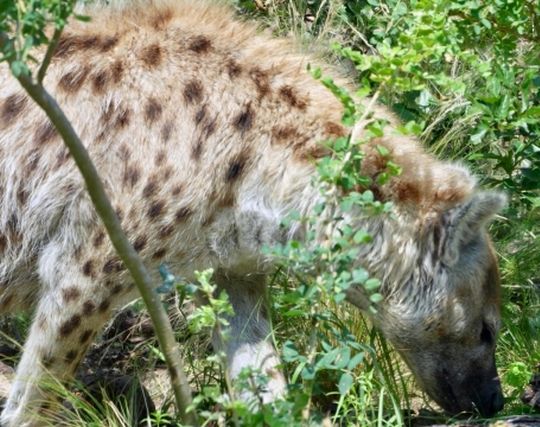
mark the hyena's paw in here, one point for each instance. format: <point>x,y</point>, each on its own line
<point>17,414</point>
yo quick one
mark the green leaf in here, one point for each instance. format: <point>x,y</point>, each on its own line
<point>372,284</point>
<point>376,298</point>
<point>355,361</point>
<point>345,383</point>
<point>362,236</point>
<point>360,275</point>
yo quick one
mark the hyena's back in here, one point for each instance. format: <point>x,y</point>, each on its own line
<point>185,115</point>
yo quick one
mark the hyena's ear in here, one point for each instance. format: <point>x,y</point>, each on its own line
<point>463,222</point>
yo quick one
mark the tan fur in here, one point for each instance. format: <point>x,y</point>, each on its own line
<point>205,132</point>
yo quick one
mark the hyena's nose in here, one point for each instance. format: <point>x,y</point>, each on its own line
<point>498,402</point>
<point>492,401</point>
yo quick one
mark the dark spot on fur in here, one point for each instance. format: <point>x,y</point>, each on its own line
<point>88,268</point>
<point>225,199</point>
<point>140,243</point>
<point>200,44</point>
<point>70,44</point>
<point>107,113</point>
<point>166,172</point>
<point>22,196</point>
<point>233,68</point>
<point>334,129</point>
<point>236,167</point>
<point>70,356</point>
<point>182,214</point>
<point>117,70</point>
<point>70,325</point>
<point>123,117</point>
<point>209,128</point>
<point>88,307</point>
<point>261,79</point>
<point>284,133</point>
<point>193,92</point>
<point>80,42</point>
<point>112,265</point>
<point>116,289</point>
<point>166,231</point>
<point>132,174</point>
<point>311,152</point>
<point>407,192</point>
<point>177,189</point>
<point>104,306</point>
<point>152,111</point>
<point>45,133</point>
<point>166,131</point>
<point>124,152</point>
<point>156,209</point>
<point>200,115</point>
<point>152,55</point>
<point>98,239</point>
<point>290,96</point>
<point>196,150</point>
<point>85,336</point>
<point>150,188</point>
<point>72,81</point>
<point>99,81</point>
<point>3,242</point>
<point>160,253</point>
<point>160,158</point>
<point>107,43</point>
<point>70,294</point>
<point>244,120</point>
<point>62,157</point>
<point>12,107</point>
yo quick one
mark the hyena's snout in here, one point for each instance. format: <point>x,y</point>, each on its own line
<point>478,389</point>
<point>490,399</point>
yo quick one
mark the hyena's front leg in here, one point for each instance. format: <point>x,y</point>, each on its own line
<point>249,343</point>
<point>73,306</point>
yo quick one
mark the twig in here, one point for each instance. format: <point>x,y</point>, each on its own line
<point>119,240</point>
<point>49,54</point>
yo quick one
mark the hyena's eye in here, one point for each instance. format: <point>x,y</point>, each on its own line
<point>486,336</point>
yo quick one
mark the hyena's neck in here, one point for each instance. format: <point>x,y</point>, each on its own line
<point>395,236</point>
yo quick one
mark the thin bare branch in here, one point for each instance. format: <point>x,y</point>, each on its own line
<point>49,54</point>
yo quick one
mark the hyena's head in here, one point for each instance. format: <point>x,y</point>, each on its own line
<point>445,319</point>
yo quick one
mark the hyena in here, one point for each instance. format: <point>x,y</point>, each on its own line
<point>206,133</point>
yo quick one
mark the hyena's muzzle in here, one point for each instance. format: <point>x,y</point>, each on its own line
<point>478,389</point>
<point>457,382</point>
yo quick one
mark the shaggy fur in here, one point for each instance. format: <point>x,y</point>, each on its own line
<point>205,132</point>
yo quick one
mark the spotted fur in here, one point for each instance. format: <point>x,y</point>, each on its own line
<point>205,133</point>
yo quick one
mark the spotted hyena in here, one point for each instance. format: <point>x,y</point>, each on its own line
<point>205,133</point>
